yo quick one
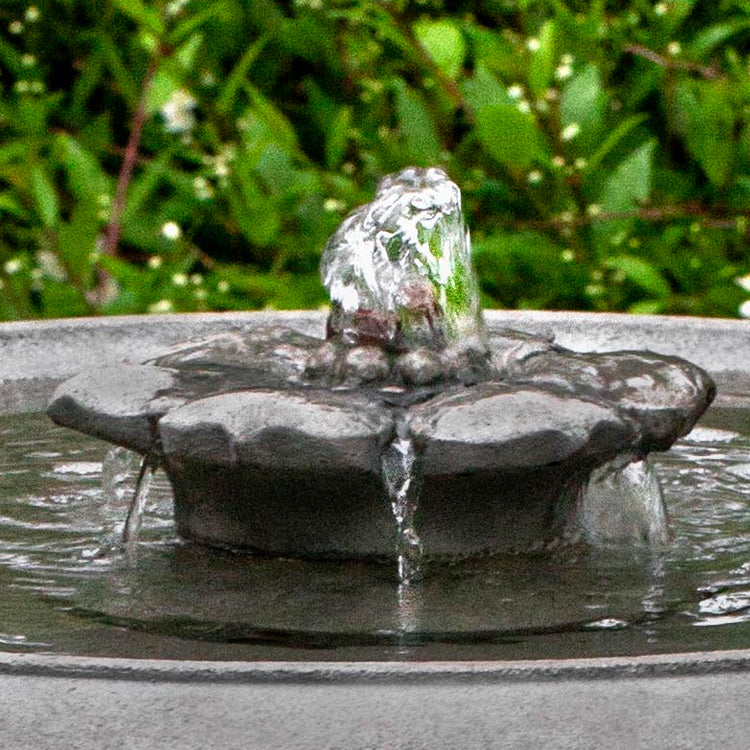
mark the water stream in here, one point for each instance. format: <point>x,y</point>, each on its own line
<point>402,484</point>
<point>134,518</point>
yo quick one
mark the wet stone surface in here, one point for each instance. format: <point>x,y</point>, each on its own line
<point>266,453</point>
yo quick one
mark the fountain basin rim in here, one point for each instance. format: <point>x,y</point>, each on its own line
<point>35,356</point>
<point>685,664</point>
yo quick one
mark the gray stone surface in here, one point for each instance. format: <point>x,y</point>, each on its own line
<point>501,428</point>
<point>662,396</point>
<point>623,704</point>
<point>280,429</point>
<point>255,452</point>
<point>422,366</point>
<point>268,355</point>
<point>288,473</point>
<point>120,403</point>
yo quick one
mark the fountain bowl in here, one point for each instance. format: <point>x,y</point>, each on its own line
<point>54,700</point>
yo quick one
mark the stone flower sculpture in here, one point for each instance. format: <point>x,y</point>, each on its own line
<point>408,428</point>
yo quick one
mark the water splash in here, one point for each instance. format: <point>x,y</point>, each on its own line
<point>117,471</point>
<point>401,482</point>
<point>409,602</point>
<point>399,269</point>
<point>119,468</point>
<point>622,502</point>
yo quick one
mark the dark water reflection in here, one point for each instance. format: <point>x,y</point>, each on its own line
<point>68,588</point>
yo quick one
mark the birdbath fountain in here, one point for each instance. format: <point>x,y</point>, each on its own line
<point>408,431</point>
<point>510,473</point>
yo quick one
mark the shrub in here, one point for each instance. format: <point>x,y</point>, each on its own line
<point>195,155</point>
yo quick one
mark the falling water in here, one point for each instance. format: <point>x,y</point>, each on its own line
<point>400,266</point>
<point>401,482</point>
<point>624,503</point>
<point>138,504</point>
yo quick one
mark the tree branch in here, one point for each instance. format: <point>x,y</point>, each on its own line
<point>114,228</point>
<point>709,73</point>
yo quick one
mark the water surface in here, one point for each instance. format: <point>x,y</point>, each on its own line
<point>69,587</point>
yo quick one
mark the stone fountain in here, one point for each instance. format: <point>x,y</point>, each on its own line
<point>408,430</point>
<point>279,698</point>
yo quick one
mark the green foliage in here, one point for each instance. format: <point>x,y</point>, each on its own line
<point>603,148</point>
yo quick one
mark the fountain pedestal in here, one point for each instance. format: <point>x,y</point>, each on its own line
<point>296,470</point>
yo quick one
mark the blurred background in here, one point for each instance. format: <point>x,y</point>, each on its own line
<point>187,155</point>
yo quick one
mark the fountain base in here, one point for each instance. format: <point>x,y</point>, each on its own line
<point>263,457</point>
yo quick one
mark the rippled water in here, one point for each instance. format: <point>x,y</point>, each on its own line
<point>69,587</point>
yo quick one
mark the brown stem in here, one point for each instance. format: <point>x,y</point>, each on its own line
<point>714,216</point>
<point>709,73</point>
<point>114,228</point>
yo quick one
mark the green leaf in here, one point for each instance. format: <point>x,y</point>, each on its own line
<point>11,57</point>
<point>31,116</point>
<point>509,135</point>
<point>76,241</point>
<point>144,16</point>
<point>630,184</point>
<point>195,20</point>
<point>120,72</point>
<point>337,137</point>
<point>678,11</point>
<point>277,123</point>
<point>542,65</point>
<point>709,39</point>
<point>613,139</point>
<point>60,299</point>
<point>276,170</point>
<point>526,269</point>
<point>705,117</point>
<point>13,152</point>
<point>145,184</point>
<point>9,204</point>
<point>185,55</point>
<point>256,217</point>
<point>86,178</point>
<point>239,74</point>
<point>163,86</point>
<point>483,90</point>
<point>583,103</point>
<point>417,128</point>
<point>647,307</point>
<point>625,190</point>
<point>642,273</point>
<point>444,43</point>
<point>86,83</point>
<point>45,196</point>
<point>493,51</point>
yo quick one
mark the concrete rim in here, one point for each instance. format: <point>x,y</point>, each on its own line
<point>35,355</point>
<point>366,672</point>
